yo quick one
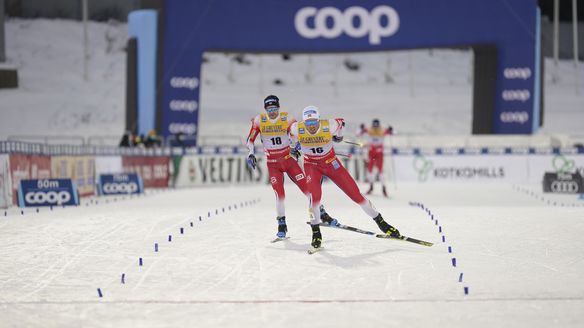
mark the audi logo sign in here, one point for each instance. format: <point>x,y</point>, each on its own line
<point>311,22</point>
<point>563,182</point>
<point>566,187</point>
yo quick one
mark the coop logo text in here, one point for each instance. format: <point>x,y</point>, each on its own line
<point>47,197</point>
<point>356,22</point>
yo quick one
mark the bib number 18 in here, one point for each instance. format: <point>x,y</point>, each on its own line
<point>276,141</point>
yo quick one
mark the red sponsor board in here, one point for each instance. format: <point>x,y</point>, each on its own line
<point>154,170</point>
<point>28,167</point>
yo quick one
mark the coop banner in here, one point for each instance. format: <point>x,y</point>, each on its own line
<point>27,167</point>
<point>321,26</point>
<point>461,168</point>
<point>47,192</point>
<point>154,170</point>
<point>80,169</point>
<point>120,184</point>
<point>5,183</point>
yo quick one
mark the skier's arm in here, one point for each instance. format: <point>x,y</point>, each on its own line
<point>252,135</point>
<point>337,126</point>
<point>294,145</point>
<point>293,134</point>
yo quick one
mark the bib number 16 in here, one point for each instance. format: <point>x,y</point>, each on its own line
<point>317,150</point>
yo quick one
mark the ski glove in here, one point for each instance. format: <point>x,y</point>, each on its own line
<point>295,153</point>
<point>252,161</point>
<point>337,139</point>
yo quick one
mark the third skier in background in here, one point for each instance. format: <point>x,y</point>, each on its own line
<point>376,136</point>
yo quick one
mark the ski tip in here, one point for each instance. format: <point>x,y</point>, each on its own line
<point>313,250</point>
<point>279,239</point>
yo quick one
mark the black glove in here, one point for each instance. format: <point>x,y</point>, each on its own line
<point>252,161</point>
<point>337,139</point>
<point>295,153</point>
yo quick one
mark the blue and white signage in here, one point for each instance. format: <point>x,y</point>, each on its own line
<point>320,26</point>
<point>120,184</point>
<point>47,192</point>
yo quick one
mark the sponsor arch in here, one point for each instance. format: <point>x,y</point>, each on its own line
<point>503,34</point>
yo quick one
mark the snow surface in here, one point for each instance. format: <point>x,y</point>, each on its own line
<point>430,90</point>
<point>520,257</point>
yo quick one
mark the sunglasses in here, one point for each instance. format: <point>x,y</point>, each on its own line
<point>311,122</point>
<point>272,109</point>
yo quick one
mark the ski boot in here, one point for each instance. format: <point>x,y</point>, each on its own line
<point>386,227</point>
<point>282,228</point>
<point>326,218</point>
<point>384,192</point>
<point>316,236</point>
<point>370,189</point>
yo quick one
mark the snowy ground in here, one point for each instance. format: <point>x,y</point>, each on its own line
<point>521,259</point>
<point>429,92</point>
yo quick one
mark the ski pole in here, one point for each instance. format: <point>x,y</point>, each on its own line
<point>358,144</point>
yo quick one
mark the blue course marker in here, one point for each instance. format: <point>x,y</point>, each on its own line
<point>156,247</point>
<point>460,277</point>
<point>99,292</point>
<point>454,262</point>
<point>123,278</point>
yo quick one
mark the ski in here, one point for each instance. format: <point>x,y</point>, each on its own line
<point>313,250</point>
<point>378,235</point>
<point>279,239</point>
<point>408,239</point>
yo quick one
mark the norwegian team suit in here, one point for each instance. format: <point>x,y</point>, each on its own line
<point>276,142</point>
<point>376,136</point>
<point>320,160</point>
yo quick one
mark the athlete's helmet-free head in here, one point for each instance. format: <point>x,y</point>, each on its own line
<point>375,123</point>
<point>271,103</point>
<point>310,115</point>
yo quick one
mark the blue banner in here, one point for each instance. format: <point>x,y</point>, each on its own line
<point>142,24</point>
<point>310,26</point>
<point>47,192</point>
<point>120,184</point>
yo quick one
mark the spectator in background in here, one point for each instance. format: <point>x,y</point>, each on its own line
<point>152,140</point>
<point>127,140</point>
<point>138,140</point>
